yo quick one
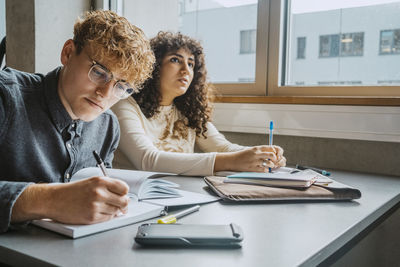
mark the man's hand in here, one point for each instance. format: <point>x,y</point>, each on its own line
<point>88,201</point>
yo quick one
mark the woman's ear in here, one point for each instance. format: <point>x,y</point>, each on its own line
<point>67,51</point>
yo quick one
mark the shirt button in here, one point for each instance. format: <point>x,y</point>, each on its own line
<point>67,176</point>
<point>73,125</point>
<point>69,146</point>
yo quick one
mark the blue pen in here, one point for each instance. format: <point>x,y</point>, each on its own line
<point>271,137</point>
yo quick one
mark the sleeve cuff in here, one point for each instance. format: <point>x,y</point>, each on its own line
<point>9,193</point>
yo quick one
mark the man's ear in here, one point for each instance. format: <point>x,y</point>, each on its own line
<point>67,51</point>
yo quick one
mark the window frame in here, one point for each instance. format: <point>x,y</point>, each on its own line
<point>270,60</point>
<point>258,87</point>
<point>267,87</point>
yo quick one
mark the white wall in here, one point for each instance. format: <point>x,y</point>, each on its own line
<point>2,18</point>
<point>328,121</point>
<point>54,21</point>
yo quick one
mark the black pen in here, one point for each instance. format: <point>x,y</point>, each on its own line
<point>323,172</point>
<point>100,163</point>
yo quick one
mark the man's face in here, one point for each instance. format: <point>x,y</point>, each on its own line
<point>82,98</point>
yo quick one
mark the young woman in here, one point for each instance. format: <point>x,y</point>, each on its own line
<point>162,123</point>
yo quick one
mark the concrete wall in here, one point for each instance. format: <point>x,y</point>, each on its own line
<point>20,28</point>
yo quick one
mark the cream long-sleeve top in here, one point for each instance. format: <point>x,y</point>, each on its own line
<point>164,143</point>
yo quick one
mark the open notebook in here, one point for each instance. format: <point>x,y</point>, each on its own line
<point>149,199</point>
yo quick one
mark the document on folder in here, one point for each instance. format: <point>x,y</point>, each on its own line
<point>282,177</point>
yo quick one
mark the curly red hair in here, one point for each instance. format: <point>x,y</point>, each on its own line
<point>195,103</point>
<point>113,40</point>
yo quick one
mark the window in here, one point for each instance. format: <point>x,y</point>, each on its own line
<point>352,44</point>
<point>253,47</point>
<point>390,42</point>
<point>226,29</point>
<point>329,45</point>
<point>301,47</point>
<point>341,60</point>
<point>248,42</point>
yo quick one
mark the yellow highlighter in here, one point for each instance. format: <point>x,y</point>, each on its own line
<point>172,218</point>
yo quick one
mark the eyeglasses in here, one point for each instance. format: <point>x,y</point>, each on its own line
<point>101,75</point>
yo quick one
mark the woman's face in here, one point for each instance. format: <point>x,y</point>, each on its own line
<point>176,75</point>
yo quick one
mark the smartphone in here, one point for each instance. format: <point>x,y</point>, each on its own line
<point>189,235</point>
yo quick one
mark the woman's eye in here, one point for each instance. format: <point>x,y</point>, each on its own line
<point>190,64</point>
<point>174,59</point>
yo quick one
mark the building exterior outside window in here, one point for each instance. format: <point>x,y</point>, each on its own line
<point>301,47</point>
<point>248,42</point>
<point>329,45</point>
<point>352,44</point>
<point>390,42</point>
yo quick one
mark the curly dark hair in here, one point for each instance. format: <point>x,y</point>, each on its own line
<point>195,103</point>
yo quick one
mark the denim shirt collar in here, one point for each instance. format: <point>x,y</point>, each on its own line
<point>58,113</point>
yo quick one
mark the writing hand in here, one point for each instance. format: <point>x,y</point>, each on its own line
<point>87,201</point>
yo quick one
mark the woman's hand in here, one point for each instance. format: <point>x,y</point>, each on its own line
<point>255,159</point>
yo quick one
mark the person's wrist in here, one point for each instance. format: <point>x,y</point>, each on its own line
<point>40,200</point>
<point>26,207</point>
<point>223,161</point>
<point>47,203</point>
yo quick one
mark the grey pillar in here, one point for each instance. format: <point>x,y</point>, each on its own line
<point>37,30</point>
<point>20,30</point>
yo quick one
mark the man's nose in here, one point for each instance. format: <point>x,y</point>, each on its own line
<point>106,91</point>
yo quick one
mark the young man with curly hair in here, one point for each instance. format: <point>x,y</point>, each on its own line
<point>50,124</point>
<point>161,124</point>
